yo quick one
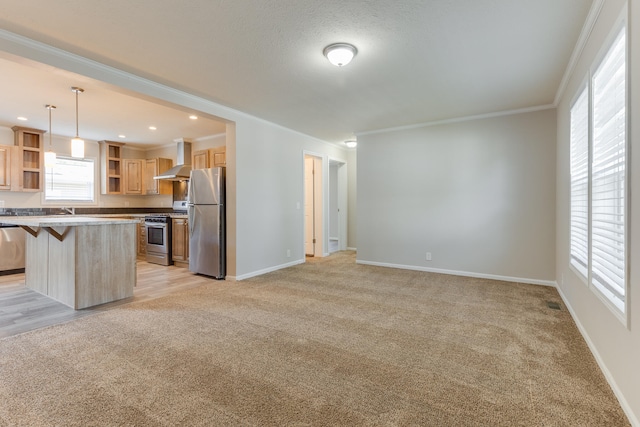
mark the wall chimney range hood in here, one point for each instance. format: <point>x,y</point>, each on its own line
<point>182,170</point>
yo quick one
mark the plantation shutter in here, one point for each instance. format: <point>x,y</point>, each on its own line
<point>579,143</point>
<point>608,270</point>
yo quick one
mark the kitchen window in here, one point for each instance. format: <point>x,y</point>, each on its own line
<point>70,180</point>
<point>598,169</point>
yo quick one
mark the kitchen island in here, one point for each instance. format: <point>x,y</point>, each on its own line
<point>79,261</point>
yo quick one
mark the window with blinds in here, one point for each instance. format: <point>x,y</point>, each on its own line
<point>70,179</point>
<point>608,180</point>
<point>598,159</point>
<point>579,169</point>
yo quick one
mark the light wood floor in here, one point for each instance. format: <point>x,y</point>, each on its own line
<point>23,310</point>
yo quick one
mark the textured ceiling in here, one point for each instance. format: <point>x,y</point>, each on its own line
<point>418,60</point>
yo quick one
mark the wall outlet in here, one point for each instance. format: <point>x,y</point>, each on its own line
<point>428,257</point>
<point>126,204</point>
<point>1,203</point>
<point>288,253</point>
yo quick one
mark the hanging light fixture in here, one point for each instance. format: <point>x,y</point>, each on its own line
<point>50,156</point>
<point>340,54</point>
<point>77,144</point>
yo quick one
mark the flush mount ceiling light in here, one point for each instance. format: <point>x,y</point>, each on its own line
<point>77,144</point>
<point>49,156</point>
<point>340,54</point>
<point>352,143</point>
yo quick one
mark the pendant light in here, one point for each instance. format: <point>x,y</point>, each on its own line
<point>77,144</point>
<point>49,156</point>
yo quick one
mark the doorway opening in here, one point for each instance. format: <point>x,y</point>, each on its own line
<point>313,241</point>
<point>337,206</point>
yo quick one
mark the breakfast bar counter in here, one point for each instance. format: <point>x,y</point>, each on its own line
<point>79,261</point>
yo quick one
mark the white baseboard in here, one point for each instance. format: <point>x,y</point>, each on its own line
<point>463,273</point>
<point>633,419</point>
<point>266,270</point>
<point>351,249</point>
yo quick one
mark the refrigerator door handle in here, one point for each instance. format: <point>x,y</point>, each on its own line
<point>190,219</point>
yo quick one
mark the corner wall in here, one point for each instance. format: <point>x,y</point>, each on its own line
<point>615,346</point>
<point>478,195</point>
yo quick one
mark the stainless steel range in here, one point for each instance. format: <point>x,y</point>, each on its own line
<point>158,238</point>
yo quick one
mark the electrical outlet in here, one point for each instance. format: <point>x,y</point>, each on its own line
<point>288,253</point>
<point>126,204</point>
<point>1,203</point>
<point>428,256</point>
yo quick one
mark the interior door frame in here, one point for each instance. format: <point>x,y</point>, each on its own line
<point>342,201</point>
<point>321,213</point>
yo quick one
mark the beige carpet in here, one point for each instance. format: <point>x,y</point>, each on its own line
<point>324,343</point>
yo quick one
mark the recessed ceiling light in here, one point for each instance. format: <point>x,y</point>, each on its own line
<point>193,117</point>
<point>152,128</point>
<point>122,136</point>
<point>23,119</point>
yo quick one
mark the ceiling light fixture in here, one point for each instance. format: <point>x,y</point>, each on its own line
<point>122,136</point>
<point>152,128</point>
<point>77,144</point>
<point>22,119</point>
<point>50,156</point>
<point>193,117</point>
<point>340,54</point>
<point>352,143</point>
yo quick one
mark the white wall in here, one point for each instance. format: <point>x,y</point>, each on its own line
<point>269,189</point>
<point>479,195</point>
<point>616,347</point>
<point>352,189</point>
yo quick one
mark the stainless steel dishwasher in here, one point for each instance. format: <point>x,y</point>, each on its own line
<point>12,242</point>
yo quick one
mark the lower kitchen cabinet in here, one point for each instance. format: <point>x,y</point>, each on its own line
<point>142,240</point>
<point>180,242</point>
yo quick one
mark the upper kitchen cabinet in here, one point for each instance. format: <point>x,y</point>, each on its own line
<point>30,161</point>
<point>218,156</point>
<point>210,158</point>
<point>133,176</point>
<point>200,159</point>
<point>6,157</point>
<point>154,167</point>
<point>111,167</point>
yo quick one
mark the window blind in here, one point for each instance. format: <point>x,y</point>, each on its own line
<point>70,180</point>
<point>608,269</point>
<point>579,147</point>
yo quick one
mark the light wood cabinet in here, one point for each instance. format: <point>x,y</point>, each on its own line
<point>133,176</point>
<point>6,157</point>
<point>180,241</point>
<point>30,158</point>
<point>154,167</point>
<point>111,167</point>
<point>218,156</point>
<point>200,159</point>
<point>210,158</point>
<point>142,240</point>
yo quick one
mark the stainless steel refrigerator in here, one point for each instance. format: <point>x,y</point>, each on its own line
<point>206,210</point>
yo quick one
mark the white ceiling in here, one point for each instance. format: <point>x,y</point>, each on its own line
<point>419,61</point>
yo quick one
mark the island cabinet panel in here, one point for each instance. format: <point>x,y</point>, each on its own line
<point>107,265</point>
<point>81,265</point>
